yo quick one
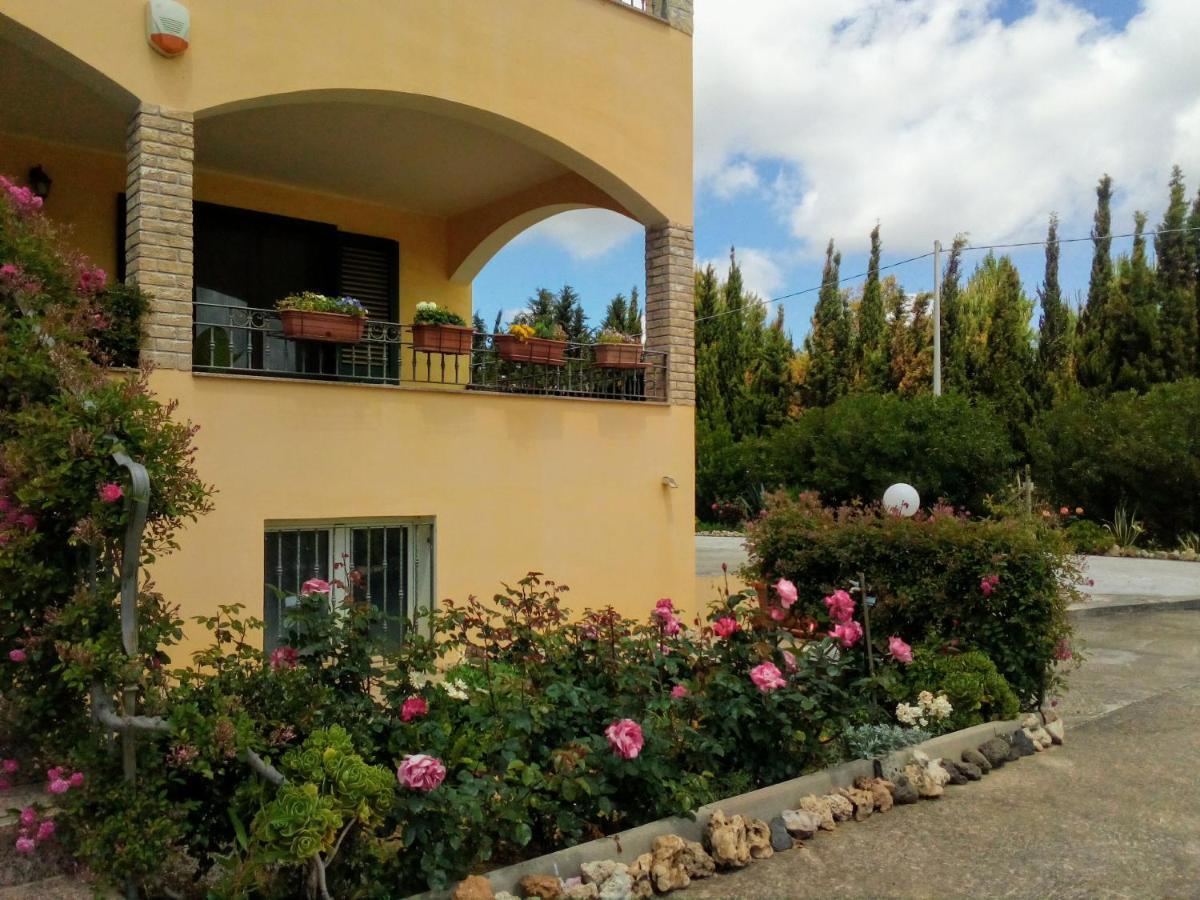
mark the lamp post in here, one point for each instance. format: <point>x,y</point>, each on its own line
<point>902,500</point>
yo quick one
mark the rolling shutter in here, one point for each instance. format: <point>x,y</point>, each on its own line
<point>368,270</point>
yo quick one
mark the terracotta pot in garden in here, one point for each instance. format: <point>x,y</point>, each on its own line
<point>619,356</point>
<point>336,328</point>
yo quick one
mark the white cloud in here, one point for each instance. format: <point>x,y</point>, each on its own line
<point>761,274</point>
<point>934,117</point>
<point>734,179</point>
<point>585,234</point>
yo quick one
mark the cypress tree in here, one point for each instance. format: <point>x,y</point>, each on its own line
<point>1135,350</point>
<point>898,339</point>
<point>918,368</point>
<point>954,342</point>
<point>1006,375</point>
<point>1053,339</point>
<point>828,339</point>
<point>872,326</point>
<point>1194,235</point>
<point>1176,284</point>
<point>1094,364</point>
<point>710,403</point>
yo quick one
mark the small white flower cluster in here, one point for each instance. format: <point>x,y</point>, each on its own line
<point>426,304</point>
<point>927,707</point>
<point>456,690</point>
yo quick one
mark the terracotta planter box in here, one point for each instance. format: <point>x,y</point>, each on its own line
<point>456,339</point>
<point>619,356</point>
<point>337,328</point>
<point>532,350</point>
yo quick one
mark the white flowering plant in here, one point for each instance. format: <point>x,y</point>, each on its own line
<point>928,709</point>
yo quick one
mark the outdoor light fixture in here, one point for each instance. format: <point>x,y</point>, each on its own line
<point>39,182</point>
<point>902,500</point>
<point>669,482</point>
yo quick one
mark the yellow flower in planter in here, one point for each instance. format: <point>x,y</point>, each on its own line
<point>521,332</point>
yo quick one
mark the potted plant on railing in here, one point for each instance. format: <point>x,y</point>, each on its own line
<point>543,343</point>
<point>314,317</point>
<point>438,330</point>
<point>614,350</point>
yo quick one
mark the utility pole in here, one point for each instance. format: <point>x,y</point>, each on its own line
<point>937,318</point>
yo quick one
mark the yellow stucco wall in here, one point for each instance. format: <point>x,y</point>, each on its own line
<point>601,88</point>
<point>572,488</point>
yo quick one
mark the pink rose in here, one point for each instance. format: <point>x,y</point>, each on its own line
<point>678,692</point>
<point>10,767</point>
<point>725,626</point>
<point>29,817</point>
<point>767,677</point>
<point>901,652</point>
<point>849,633</point>
<point>76,779</point>
<point>789,660</point>
<point>777,614</point>
<point>421,772</point>
<point>54,774</point>
<point>284,658</point>
<point>413,708</point>
<point>1062,650</point>
<point>59,786</point>
<point>25,845</point>
<point>840,605</point>
<point>665,603</point>
<point>988,584</point>
<point>111,493</point>
<point>787,592</point>
<point>17,655</point>
<point>625,737</point>
<point>45,830</point>
<point>314,586</point>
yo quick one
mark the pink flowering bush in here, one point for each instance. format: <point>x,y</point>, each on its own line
<point>625,738</point>
<point>767,677</point>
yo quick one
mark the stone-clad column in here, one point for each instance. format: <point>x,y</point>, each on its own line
<point>677,13</point>
<point>670,306</point>
<point>160,151</point>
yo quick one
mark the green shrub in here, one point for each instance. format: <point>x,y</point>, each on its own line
<point>969,680</point>
<point>119,326</point>
<point>1087,536</point>
<point>928,574</point>
<point>1142,451</point>
<point>874,741</point>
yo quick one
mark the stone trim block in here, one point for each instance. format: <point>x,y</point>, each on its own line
<point>160,152</point>
<point>670,306</point>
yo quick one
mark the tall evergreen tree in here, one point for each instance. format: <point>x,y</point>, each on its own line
<point>896,304</point>
<point>568,313</point>
<point>1006,373</point>
<point>1134,347</point>
<point>710,402</point>
<point>954,345</point>
<point>1176,284</point>
<point>828,340</point>
<point>917,377</point>
<point>1054,348</point>
<point>623,315</point>
<point>872,326</point>
<point>1094,365</point>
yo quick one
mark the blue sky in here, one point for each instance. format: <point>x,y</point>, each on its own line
<point>928,116</point>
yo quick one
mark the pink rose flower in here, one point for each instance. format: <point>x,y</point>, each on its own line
<point>789,660</point>
<point>76,779</point>
<point>29,817</point>
<point>25,845</point>
<point>678,692</point>
<point>767,677</point>
<point>59,786</point>
<point>988,584</point>
<point>849,633</point>
<point>665,603</point>
<point>625,737</point>
<point>777,614</point>
<point>284,658</point>
<point>1062,650</point>
<point>421,772</point>
<point>413,708</point>
<point>726,626</point>
<point>840,605</point>
<point>111,493</point>
<point>17,655</point>
<point>314,586</point>
<point>45,830</point>
<point>10,767</point>
<point>901,652</point>
<point>54,774</point>
<point>787,592</point>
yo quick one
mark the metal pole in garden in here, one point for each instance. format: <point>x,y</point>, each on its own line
<point>937,318</point>
<point>866,606</point>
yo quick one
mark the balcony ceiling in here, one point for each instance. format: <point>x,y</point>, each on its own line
<point>410,159</point>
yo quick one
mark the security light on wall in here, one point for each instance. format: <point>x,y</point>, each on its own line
<point>669,482</point>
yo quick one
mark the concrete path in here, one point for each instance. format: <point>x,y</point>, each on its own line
<point>1115,813</point>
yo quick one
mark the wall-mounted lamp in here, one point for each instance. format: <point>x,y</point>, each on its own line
<point>39,182</point>
<point>669,482</point>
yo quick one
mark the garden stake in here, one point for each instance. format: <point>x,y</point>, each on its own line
<point>862,595</point>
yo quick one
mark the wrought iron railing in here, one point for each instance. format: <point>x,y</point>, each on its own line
<point>238,340</point>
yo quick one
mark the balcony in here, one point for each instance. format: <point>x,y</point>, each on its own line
<point>245,341</point>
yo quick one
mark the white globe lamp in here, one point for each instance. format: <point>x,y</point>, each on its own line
<point>902,500</point>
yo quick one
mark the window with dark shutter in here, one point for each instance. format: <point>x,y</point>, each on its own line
<point>368,271</point>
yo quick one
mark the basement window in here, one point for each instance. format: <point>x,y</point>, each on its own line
<point>387,563</point>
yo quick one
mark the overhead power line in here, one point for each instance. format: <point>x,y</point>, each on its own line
<point>968,247</point>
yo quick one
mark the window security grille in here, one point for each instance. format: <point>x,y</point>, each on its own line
<point>389,565</point>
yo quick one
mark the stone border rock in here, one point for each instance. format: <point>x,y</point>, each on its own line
<point>763,804</point>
